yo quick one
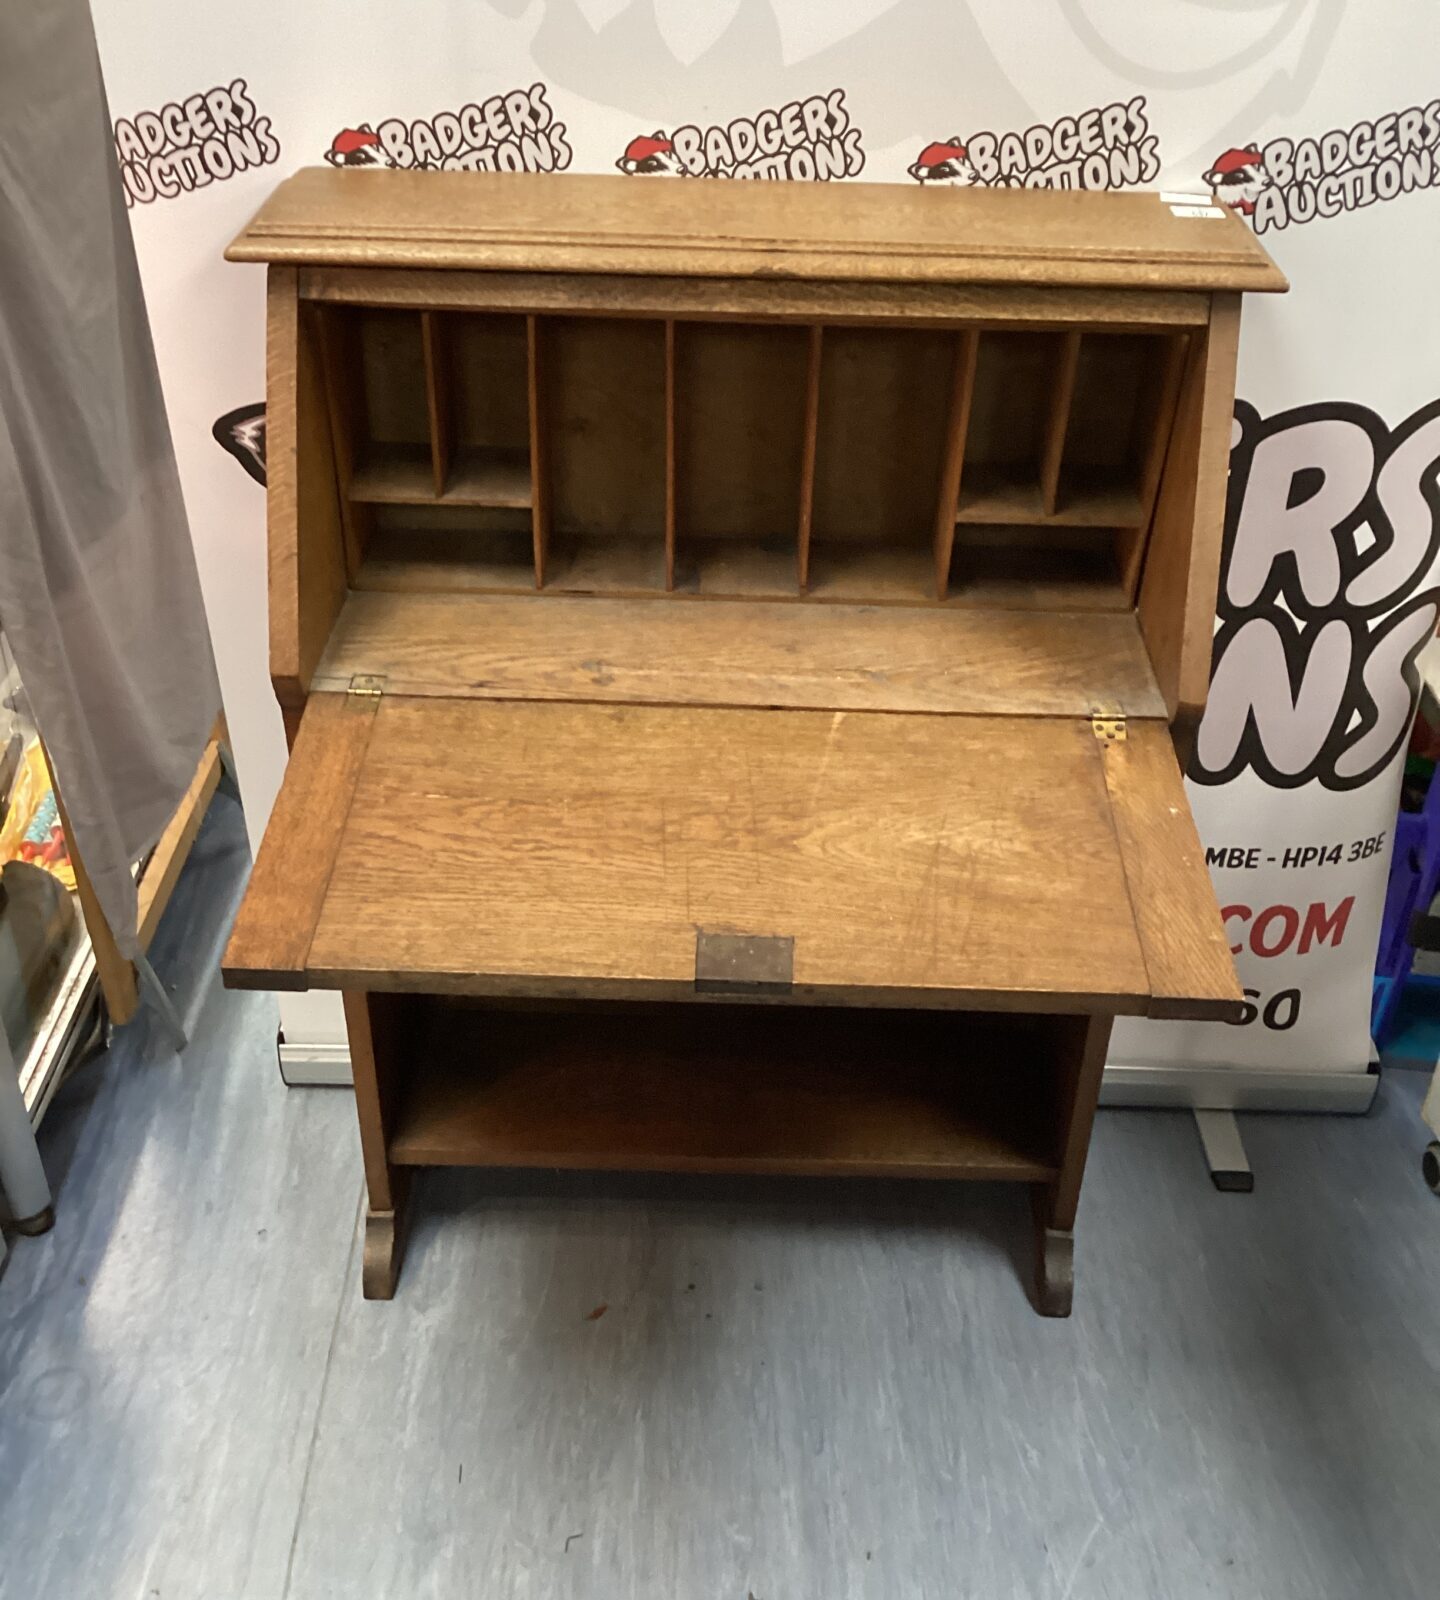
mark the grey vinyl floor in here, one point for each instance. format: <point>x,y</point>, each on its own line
<point>795,1392</point>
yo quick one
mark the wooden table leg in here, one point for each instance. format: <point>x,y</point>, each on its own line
<point>373,1023</point>
<point>1083,1062</point>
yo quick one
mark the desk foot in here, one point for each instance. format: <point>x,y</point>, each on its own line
<point>384,1250</point>
<point>1054,1272</point>
<point>1054,1262</point>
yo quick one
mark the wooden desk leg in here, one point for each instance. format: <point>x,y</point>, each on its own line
<point>1083,1062</point>
<point>373,1023</point>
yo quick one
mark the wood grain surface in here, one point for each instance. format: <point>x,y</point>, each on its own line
<point>575,849</point>
<point>1187,953</point>
<point>872,231</point>
<point>884,405</point>
<point>756,299</point>
<point>604,384</point>
<point>307,555</point>
<point>662,651</point>
<point>167,860</point>
<point>270,941</point>
<point>740,415</point>
<point>1057,419</point>
<point>1176,602</point>
<point>957,426</point>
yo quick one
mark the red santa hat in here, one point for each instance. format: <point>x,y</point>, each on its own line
<point>348,140</point>
<point>643,147</point>
<point>1234,160</point>
<point>934,155</point>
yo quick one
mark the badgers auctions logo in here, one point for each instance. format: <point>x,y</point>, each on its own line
<point>811,139</point>
<point>185,145</point>
<point>242,433</point>
<point>514,132</point>
<point>1344,170</point>
<point>1106,147</point>
<point>1332,528</point>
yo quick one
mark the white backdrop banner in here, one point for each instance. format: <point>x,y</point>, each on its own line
<point>1317,121</point>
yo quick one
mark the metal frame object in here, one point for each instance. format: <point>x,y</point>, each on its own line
<point>315,1066</point>
<point>159,997</point>
<point>1215,1094</point>
<point>1224,1151</point>
<point>64,1018</point>
<point>22,1176</point>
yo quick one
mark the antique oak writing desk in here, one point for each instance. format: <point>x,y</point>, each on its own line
<point>732,639</point>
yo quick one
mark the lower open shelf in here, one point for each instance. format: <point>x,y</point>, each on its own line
<point>728,1088</point>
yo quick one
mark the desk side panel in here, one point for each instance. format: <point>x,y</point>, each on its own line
<point>1182,561</point>
<point>307,568</point>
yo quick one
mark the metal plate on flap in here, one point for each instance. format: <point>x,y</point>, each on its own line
<point>743,963</point>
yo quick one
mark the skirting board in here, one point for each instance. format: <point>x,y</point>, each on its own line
<point>1206,1088</point>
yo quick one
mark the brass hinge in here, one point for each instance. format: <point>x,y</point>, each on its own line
<point>1108,726</point>
<point>367,683</point>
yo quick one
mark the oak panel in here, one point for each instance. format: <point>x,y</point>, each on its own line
<point>664,651</point>
<point>271,938</point>
<point>757,299</point>
<point>1187,953</point>
<point>868,231</point>
<point>575,849</point>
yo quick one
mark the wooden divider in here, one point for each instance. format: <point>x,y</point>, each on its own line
<point>807,458</point>
<point>344,394</point>
<point>1006,481</point>
<point>957,424</point>
<point>539,446</point>
<point>671,465</point>
<point>1057,420</point>
<point>1152,464</point>
<point>437,397</point>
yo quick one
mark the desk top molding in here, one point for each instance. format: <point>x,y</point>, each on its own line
<point>860,232</point>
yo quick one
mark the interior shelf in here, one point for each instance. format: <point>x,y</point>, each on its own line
<point>488,476</point>
<point>1074,569</point>
<point>676,1088</point>
<point>420,548</point>
<point>394,474</point>
<point>884,575</point>
<point>595,564</point>
<point>1094,498</point>
<point>733,569</point>
<point>426,638</point>
<point>399,474</point>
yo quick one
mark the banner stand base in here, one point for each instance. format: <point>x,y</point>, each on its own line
<point>1224,1151</point>
<point>315,1066</point>
<point>1215,1094</point>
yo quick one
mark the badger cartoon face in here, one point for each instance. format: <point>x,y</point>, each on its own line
<point>1238,177</point>
<point>357,147</point>
<point>242,433</point>
<point>946,165</point>
<point>652,157</point>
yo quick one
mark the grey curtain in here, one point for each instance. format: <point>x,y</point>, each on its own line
<point>98,588</point>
